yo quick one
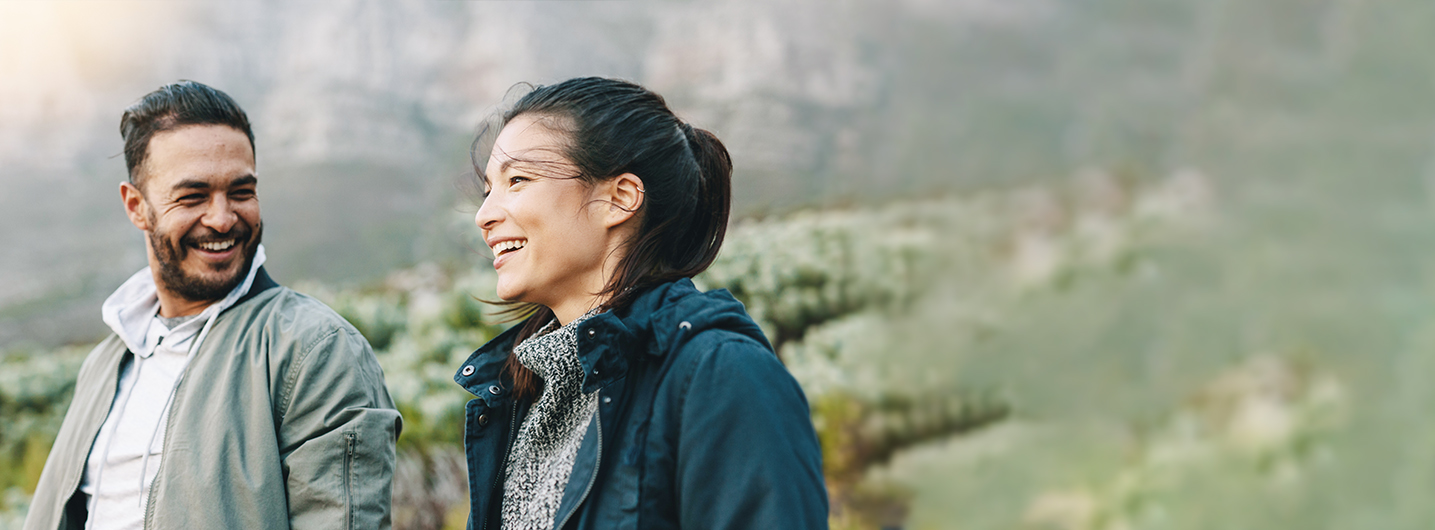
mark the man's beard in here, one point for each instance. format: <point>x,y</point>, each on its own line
<point>198,288</point>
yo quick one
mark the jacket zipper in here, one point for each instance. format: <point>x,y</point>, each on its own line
<point>348,480</point>
<point>597,417</point>
<point>168,429</point>
<point>503,467</point>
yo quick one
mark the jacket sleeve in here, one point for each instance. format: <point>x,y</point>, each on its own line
<point>748,456</point>
<point>337,433</point>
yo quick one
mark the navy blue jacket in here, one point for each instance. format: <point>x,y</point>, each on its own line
<point>698,426</point>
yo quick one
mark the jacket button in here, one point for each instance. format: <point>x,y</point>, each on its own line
<point>685,325</point>
<point>468,370</point>
<point>482,420</point>
<point>493,389</point>
<point>592,332</point>
<point>595,371</point>
<point>607,399</point>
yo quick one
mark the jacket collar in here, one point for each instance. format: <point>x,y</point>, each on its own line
<point>660,321</point>
<point>130,310</point>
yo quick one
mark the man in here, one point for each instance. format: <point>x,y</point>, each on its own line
<point>222,400</point>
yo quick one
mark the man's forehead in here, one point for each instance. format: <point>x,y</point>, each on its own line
<point>198,156</point>
<point>199,135</point>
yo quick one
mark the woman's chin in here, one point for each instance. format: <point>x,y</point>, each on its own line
<point>510,293</point>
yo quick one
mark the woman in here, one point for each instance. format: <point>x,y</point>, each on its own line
<point>629,399</point>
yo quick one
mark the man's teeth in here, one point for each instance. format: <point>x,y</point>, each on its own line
<point>216,246</point>
<point>512,244</point>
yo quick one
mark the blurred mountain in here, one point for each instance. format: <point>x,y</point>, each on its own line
<point>364,110</point>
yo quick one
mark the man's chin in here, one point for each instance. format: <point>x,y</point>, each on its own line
<point>204,282</point>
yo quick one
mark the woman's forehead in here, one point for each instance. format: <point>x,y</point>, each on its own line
<point>524,139</point>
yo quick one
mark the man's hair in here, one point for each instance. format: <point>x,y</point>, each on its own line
<point>173,106</point>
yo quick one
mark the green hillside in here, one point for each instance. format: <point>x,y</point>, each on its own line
<point>1108,265</point>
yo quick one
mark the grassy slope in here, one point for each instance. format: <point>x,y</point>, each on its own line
<point>1316,122</point>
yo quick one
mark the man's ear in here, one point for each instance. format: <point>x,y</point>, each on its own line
<point>625,197</point>
<point>135,206</point>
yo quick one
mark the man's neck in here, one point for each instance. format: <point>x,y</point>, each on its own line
<point>171,306</point>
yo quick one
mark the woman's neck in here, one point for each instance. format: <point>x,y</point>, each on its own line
<point>572,309</point>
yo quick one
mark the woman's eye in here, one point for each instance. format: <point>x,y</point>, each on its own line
<point>515,180</point>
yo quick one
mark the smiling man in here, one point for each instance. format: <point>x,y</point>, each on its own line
<point>221,400</point>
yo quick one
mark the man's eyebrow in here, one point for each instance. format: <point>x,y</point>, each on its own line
<point>192,184</point>
<point>197,184</point>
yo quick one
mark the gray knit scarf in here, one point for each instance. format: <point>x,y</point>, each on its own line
<point>547,443</point>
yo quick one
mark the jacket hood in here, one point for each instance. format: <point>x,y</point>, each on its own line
<point>674,313</point>
<point>131,308</point>
<point>661,320</point>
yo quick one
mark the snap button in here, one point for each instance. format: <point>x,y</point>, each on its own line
<point>607,400</point>
<point>595,371</point>
<point>493,389</point>
<point>685,325</point>
<point>482,420</point>
<point>468,370</point>
<point>592,332</point>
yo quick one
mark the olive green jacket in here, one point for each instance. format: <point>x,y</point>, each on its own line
<point>281,420</point>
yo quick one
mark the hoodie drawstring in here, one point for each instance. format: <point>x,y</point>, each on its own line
<point>193,347</point>
<point>110,443</point>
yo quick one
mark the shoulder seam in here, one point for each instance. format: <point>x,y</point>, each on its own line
<point>299,365</point>
<point>697,358</point>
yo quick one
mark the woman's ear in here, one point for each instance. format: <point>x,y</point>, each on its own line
<point>625,197</point>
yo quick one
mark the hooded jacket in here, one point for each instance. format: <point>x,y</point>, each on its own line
<point>698,424</point>
<point>280,420</point>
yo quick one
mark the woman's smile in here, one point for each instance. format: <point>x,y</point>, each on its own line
<point>505,247</point>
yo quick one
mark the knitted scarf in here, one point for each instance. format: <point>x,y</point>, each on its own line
<point>547,443</point>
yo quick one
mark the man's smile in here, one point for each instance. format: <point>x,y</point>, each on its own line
<point>217,246</point>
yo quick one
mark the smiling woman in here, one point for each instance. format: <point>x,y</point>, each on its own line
<point>628,398</point>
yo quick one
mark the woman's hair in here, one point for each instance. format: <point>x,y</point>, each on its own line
<point>610,127</point>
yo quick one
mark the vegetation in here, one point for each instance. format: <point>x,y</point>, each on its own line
<point>868,307</point>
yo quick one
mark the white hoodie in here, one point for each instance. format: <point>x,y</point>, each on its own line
<point>132,438</point>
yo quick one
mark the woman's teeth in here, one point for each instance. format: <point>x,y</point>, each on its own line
<point>505,246</point>
<point>216,246</point>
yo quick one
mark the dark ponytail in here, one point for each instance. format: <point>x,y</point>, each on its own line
<point>611,127</point>
<point>714,195</point>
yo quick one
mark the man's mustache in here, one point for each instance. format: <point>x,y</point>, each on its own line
<point>240,234</point>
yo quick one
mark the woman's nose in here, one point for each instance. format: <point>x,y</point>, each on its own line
<point>488,214</point>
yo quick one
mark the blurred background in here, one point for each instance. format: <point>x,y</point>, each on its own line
<point>1099,265</point>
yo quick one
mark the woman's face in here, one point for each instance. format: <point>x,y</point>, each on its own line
<point>545,229</point>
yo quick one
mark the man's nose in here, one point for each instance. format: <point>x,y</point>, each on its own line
<point>220,215</point>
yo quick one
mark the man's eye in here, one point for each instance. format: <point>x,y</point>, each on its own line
<point>243,194</point>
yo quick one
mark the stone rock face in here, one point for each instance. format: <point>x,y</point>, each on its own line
<point>364,111</point>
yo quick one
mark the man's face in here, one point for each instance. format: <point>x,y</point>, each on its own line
<point>199,210</point>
